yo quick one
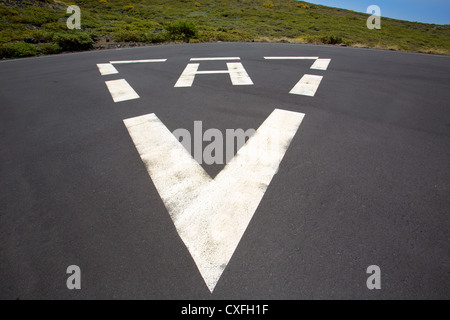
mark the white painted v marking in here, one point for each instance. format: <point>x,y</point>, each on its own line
<point>211,215</point>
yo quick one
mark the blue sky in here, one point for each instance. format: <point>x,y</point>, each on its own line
<point>427,11</point>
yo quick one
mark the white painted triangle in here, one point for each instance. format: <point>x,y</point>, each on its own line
<point>211,215</point>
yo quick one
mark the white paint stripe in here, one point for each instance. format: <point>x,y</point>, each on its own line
<point>216,59</point>
<point>239,77</point>
<point>291,58</point>
<point>321,64</point>
<point>187,77</point>
<point>106,69</point>
<point>120,90</point>
<point>138,61</point>
<point>175,173</point>
<point>307,86</point>
<point>212,72</point>
<point>212,215</point>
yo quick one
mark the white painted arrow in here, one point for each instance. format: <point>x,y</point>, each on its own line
<point>211,215</point>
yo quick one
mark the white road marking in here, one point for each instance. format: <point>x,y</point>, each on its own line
<point>238,75</point>
<point>187,77</point>
<point>120,90</point>
<point>307,86</point>
<point>291,58</point>
<point>211,215</point>
<point>216,59</point>
<point>106,69</point>
<point>138,61</point>
<point>212,72</point>
<point>321,64</point>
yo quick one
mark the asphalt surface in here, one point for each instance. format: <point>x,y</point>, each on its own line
<point>364,182</point>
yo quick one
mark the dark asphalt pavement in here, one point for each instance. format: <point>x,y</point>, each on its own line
<point>365,181</point>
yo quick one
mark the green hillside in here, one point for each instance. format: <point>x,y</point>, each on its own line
<point>39,27</point>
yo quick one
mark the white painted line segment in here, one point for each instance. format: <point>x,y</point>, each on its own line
<point>120,90</point>
<point>211,215</point>
<point>187,77</point>
<point>212,72</point>
<point>238,75</point>
<point>138,61</point>
<point>291,58</point>
<point>106,69</point>
<point>307,86</point>
<point>216,59</point>
<point>321,64</point>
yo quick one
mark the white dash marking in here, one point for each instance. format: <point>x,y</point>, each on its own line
<point>291,58</point>
<point>239,77</point>
<point>216,59</point>
<point>307,86</point>
<point>120,90</point>
<point>213,72</point>
<point>187,77</point>
<point>106,69</point>
<point>321,64</point>
<point>138,61</point>
<point>211,215</point>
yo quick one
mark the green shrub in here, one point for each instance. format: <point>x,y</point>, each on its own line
<point>156,37</point>
<point>129,36</point>
<point>331,39</point>
<point>49,48</point>
<point>11,35</point>
<point>182,30</point>
<point>303,6</point>
<point>18,50</point>
<point>312,39</point>
<point>35,16</point>
<point>6,12</point>
<point>141,36</point>
<point>55,26</point>
<point>231,36</point>
<point>90,25</point>
<point>42,36</point>
<point>73,41</point>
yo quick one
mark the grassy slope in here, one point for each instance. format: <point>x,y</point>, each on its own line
<point>42,23</point>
